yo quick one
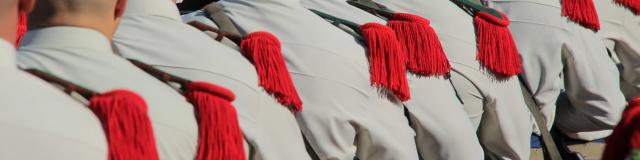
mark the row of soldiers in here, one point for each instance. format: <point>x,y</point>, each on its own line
<point>378,79</point>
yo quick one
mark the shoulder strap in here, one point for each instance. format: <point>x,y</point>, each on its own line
<point>549,145</point>
<point>161,75</point>
<point>215,12</point>
<point>339,22</point>
<point>226,28</point>
<point>372,7</point>
<point>220,35</point>
<point>475,6</point>
<point>69,87</point>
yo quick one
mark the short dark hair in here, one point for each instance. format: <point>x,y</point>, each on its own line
<point>192,5</point>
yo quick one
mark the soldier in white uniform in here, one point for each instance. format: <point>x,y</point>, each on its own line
<point>562,55</point>
<point>73,43</point>
<point>344,115</point>
<point>38,121</point>
<point>620,30</point>
<point>496,107</point>
<point>151,31</point>
<point>442,126</point>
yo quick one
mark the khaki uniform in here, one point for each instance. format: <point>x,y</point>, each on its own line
<point>343,116</point>
<point>559,55</point>
<point>84,57</point>
<point>496,107</point>
<point>38,121</point>
<point>437,115</point>
<point>151,31</point>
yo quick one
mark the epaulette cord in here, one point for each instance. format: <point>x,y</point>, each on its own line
<point>212,103</point>
<point>69,87</point>
<point>263,49</point>
<point>387,57</point>
<point>119,111</point>
<point>426,56</point>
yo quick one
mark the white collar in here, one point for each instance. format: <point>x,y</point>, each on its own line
<point>67,37</point>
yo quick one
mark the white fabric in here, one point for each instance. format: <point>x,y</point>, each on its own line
<point>38,121</point>
<point>343,116</point>
<point>179,49</point>
<point>443,128</point>
<point>496,107</point>
<point>84,57</point>
<point>620,30</point>
<point>560,54</point>
<point>164,8</point>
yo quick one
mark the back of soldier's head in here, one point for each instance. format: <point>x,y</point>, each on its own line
<point>101,15</point>
<point>9,10</point>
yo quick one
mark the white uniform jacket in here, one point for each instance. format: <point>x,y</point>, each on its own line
<point>84,57</point>
<point>437,115</point>
<point>561,56</point>
<point>154,34</point>
<point>344,116</point>
<point>495,106</point>
<point>620,31</point>
<point>38,121</point>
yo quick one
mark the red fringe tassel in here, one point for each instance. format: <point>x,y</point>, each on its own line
<point>626,135</point>
<point>22,27</point>
<point>219,134</point>
<point>127,125</point>
<point>425,53</point>
<point>263,49</point>
<point>387,59</point>
<point>633,5</point>
<point>497,50</point>
<point>582,12</point>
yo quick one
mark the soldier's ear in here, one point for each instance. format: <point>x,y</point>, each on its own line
<point>121,5</point>
<point>25,6</point>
